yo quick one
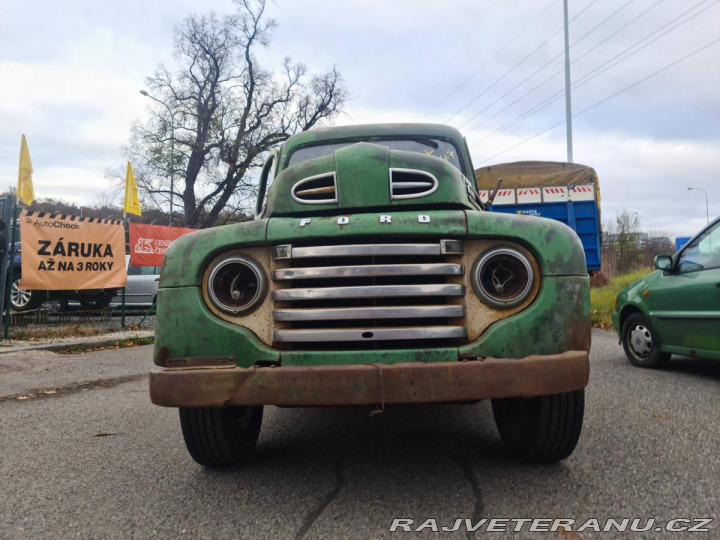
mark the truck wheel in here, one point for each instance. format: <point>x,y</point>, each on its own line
<point>23,299</point>
<point>218,437</point>
<point>544,429</point>
<point>640,343</point>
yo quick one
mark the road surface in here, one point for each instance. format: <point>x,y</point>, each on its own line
<point>91,459</point>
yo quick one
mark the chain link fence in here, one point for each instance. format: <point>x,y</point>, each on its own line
<point>55,314</point>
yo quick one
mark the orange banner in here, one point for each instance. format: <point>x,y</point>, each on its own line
<point>66,253</point>
<point>148,243</point>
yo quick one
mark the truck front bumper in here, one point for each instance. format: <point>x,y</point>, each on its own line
<point>368,384</point>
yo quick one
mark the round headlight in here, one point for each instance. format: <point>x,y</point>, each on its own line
<point>237,285</point>
<point>503,277</point>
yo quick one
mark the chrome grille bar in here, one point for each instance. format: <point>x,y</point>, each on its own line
<point>440,269</point>
<point>404,312</point>
<point>369,334</point>
<point>444,247</point>
<point>379,291</point>
<point>361,250</point>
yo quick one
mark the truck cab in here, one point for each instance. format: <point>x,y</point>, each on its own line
<point>373,275</point>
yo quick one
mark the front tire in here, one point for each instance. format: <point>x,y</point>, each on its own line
<point>541,429</point>
<point>23,299</point>
<point>641,344</point>
<point>219,437</point>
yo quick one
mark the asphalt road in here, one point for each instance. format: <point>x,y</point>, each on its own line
<point>97,460</point>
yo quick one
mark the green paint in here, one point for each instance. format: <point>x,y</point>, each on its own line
<point>185,327</point>
<point>445,224</point>
<point>555,245</point>
<point>346,358</point>
<point>187,256</point>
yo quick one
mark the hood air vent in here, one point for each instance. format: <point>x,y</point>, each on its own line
<point>318,189</point>
<point>411,184</point>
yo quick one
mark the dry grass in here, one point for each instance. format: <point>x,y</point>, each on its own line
<point>46,333</point>
<point>602,299</point>
<point>120,344</point>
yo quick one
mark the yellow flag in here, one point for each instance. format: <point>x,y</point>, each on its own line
<point>132,203</point>
<point>25,186</point>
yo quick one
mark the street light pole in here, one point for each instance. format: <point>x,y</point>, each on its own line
<point>568,98</point>
<point>172,150</point>
<point>707,206</point>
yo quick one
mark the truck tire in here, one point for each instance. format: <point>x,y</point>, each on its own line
<point>641,344</point>
<point>541,429</point>
<point>24,299</point>
<point>218,437</point>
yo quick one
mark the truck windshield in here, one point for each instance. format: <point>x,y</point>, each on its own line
<point>421,145</point>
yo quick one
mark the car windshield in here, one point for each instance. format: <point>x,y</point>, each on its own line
<point>421,145</point>
<point>702,253</point>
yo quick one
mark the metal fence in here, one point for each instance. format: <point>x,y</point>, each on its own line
<point>55,314</point>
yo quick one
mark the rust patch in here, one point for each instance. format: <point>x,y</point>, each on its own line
<point>374,384</point>
<point>200,361</point>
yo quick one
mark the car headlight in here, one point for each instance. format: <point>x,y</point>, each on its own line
<point>236,284</point>
<point>503,277</point>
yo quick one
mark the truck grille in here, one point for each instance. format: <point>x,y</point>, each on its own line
<point>368,295</point>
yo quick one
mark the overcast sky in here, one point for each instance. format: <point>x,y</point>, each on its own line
<point>647,103</point>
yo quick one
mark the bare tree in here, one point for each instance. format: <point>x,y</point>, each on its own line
<point>218,115</point>
<point>623,237</point>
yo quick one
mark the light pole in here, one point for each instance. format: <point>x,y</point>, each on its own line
<point>707,207</point>
<point>568,99</point>
<point>172,150</point>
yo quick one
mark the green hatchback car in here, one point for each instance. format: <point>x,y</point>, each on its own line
<point>675,310</point>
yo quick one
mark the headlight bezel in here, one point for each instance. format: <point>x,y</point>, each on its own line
<point>527,291</point>
<point>215,299</point>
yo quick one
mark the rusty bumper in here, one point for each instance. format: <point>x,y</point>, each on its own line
<point>369,384</point>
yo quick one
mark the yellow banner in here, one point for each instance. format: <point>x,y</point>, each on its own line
<point>67,253</point>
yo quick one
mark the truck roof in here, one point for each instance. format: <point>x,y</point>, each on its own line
<point>379,130</point>
<point>535,174</point>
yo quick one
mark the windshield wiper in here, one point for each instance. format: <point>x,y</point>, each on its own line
<point>425,141</point>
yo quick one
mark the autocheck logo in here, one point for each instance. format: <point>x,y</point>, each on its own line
<point>55,224</point>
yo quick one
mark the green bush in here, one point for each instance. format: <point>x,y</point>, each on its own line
<point>602,299</point>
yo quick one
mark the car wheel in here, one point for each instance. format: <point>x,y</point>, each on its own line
<point>542,429</point>
<point>218,437</point>
<point>641,344</point>
<point>23,299</point>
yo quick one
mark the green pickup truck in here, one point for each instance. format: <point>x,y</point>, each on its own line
<point>373,275</point>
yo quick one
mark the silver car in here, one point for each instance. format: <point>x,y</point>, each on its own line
<point>141,288</point>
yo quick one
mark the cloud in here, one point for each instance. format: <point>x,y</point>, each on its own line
<point>69,80</point>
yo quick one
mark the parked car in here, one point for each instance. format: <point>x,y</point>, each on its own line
<point>26,299</point>
<point>141,288</point>
<point>676,309</point>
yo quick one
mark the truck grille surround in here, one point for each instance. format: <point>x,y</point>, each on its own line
<point>372,293</point>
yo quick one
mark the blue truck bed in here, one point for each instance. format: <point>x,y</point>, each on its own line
<point>567,192</point>
<point>581,216</point>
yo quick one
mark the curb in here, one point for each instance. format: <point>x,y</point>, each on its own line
<point>98,341</point>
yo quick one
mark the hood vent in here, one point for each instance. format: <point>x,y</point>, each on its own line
<point>411,184</point>
<point>318,189</point>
